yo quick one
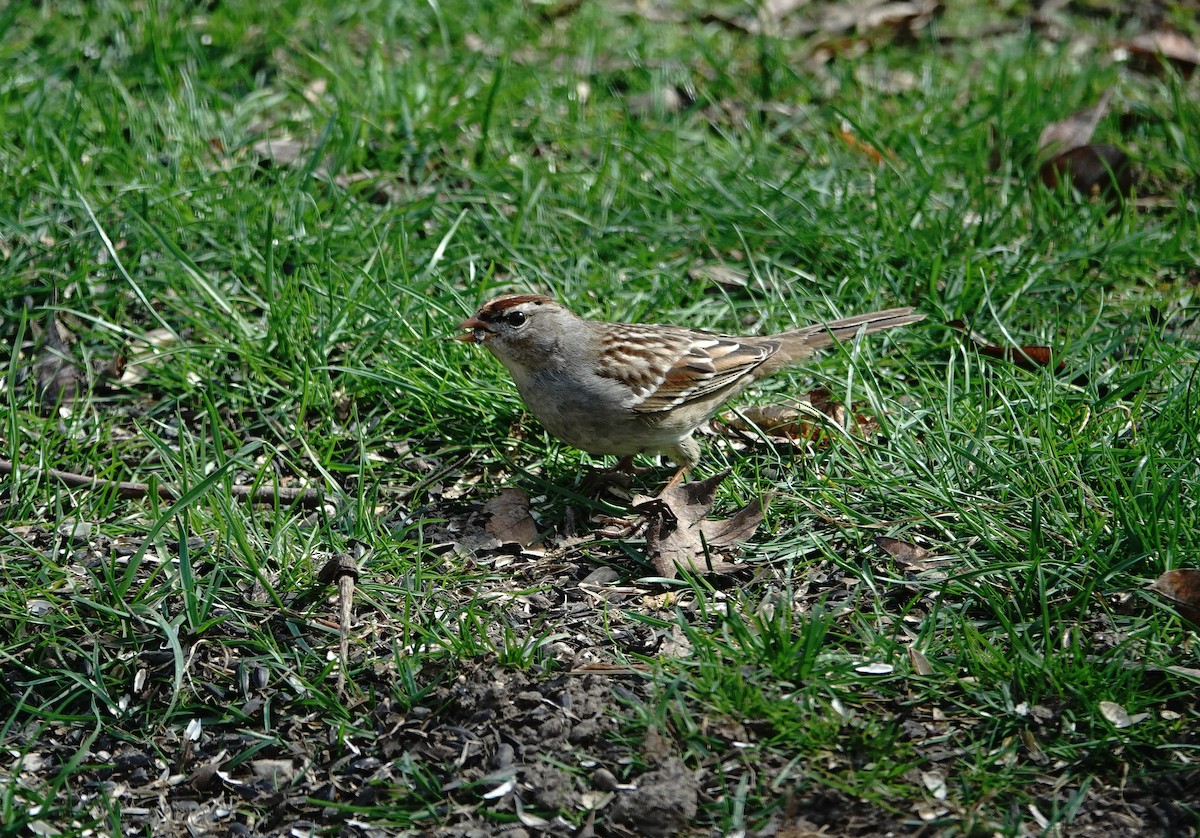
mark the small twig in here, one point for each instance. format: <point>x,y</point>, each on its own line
<point>128,489</point>
<point>342,569</point>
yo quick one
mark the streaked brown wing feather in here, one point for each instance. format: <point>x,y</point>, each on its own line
<point>673,366</point>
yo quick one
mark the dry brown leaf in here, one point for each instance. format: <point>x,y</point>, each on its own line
<point>56,371</point>
<point>680,534</point>
<point>511,521</point>
<point>1026,357</point>
<point>774,419</point>
<point>1096,171</point>
<point>1149,51</point>
<point>918,661</point>
<point>280,151</point>
<point>1075,131</point>
<point>1182,589</point>
<point>112,370</point>
<point>863,147</point>
<point>875,20</point>
<point>909,555</point>
<point>790,424</point>
<point>776,10</point>
<point>1066,151</point>
<point>1034,747</point>
<point>868,18</point>
<point>726,275</point>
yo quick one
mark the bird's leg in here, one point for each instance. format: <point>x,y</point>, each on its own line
<point>687,454</point>
<point>675,480</point>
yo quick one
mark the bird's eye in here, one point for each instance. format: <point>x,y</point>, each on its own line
<point>517,319</point>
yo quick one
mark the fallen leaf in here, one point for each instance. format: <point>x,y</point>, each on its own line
<point>679,533</point>
<point>1026,357</point>
<point>1065,150</point>
<point>726,275</point>
<point>661,101</point>
<point>1150,51</point>
<point>935,783</point>
<point>889,81</point>
<point>1075,131</point>
<point>870,18</point>
<point>794,423</point>
<point>1034,747</point>
<point>874,20</point>
<point>863,147</point>
<point>1116,714</point>
<point>55,371</point>
<point>918,661</point>
<point>501,790</point>
<point>511,521</point>
<point>278,773</point>
<point>279,151</point>
<point>771,12</point>
<point>774,419</point>
<point>112,370</point>
<point>1095,171</point>
<point>876,668</point>
<point>910,555</point>
<point>1182,589</point>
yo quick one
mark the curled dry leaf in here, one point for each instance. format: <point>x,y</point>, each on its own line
<point>112,370</point>
<point>773,419</point>
<point>864,20</point>
<point>1182,589</point>
<point>1151,51</point>
<point>1026,357</point>
<point>511,521</point>
<point>1075,131</point>
<point>680,534</point>
<point>280,151</point>
<point>797,423</point>
<point>1036,754</point>
<point>1066,151</point>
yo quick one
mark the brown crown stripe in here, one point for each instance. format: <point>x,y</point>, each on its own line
<point>500,305</point>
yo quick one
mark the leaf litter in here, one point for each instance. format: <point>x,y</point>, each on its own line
<point>539,744</point>
<point>680,535</point>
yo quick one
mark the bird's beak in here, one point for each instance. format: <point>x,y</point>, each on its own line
<point>479,331</point>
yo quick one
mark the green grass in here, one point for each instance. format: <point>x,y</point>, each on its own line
<point>288,326</point>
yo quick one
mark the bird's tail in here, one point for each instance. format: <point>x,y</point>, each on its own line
<point>825,334</point>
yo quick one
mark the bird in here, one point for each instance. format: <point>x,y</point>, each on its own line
<point>627,389</point>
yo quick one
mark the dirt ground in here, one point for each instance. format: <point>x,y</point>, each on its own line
<point>580,743</point>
